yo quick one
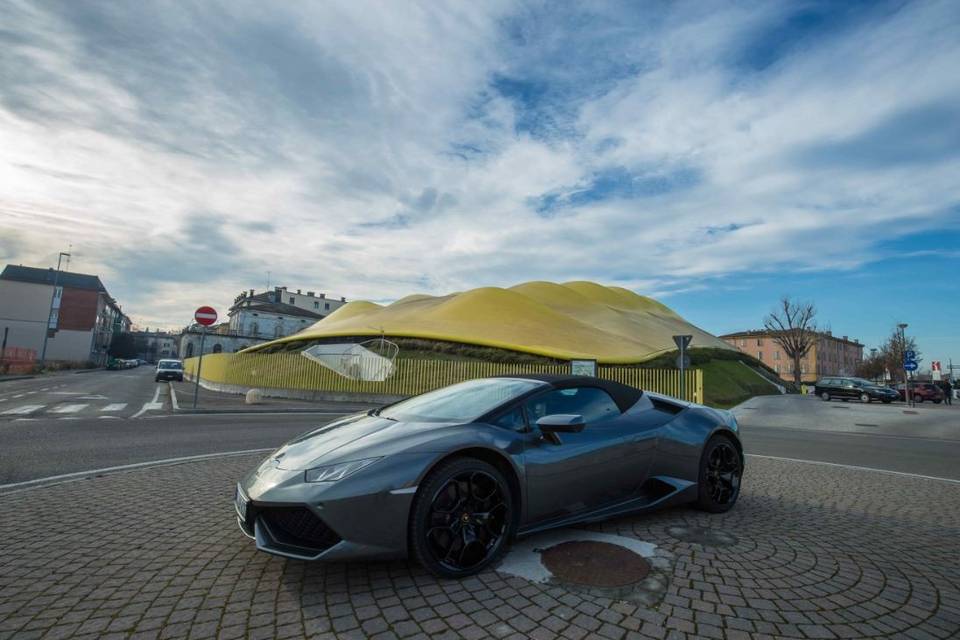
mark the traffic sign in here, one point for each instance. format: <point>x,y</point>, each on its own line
<point>910,365</point>
<point>683,362</point>
<point>682,341</point>
<point>909,355</point>
<point>205,316</point>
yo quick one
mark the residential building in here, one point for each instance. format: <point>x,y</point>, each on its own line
<point>74,310</point>
<point>829,354</point>
<point>278,313</point>
<point>154,345</point>
<point>219,339</point>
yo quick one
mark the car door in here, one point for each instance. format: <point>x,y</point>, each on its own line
<point>848,389</point>
<point>586,470</point>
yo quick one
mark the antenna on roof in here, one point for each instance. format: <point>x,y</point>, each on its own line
<point>69,251</point>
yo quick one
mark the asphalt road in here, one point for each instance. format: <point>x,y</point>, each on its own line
<point>97,394</point>
<point>46,442</point>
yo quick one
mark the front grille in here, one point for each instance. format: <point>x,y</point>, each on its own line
<point>299,527</point>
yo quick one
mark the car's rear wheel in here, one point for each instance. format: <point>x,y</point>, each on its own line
<point>917,398</point>
<point>721,469</point>
<point>462,518</point>
<point>864,398</point>
<point>825,396</point>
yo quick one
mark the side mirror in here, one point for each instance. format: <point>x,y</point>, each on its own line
<point>550,426</point>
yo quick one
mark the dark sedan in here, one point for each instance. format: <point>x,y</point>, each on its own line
<point>846,388</point>
<point>451,476</point>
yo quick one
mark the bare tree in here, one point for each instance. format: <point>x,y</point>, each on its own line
<point>792,325</point>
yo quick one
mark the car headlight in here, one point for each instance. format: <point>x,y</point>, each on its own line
<point>335,472</point>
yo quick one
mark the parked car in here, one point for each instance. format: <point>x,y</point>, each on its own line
<point>169,370</point>
<point>450,477</point>
<point>921,391</point>
<point>844,388</point>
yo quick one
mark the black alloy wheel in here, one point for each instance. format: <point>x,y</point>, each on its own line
<point>462,518</point>
<point>865,398</point>
<point>721,470</point>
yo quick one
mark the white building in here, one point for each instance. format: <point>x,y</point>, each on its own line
<point>279,313</point>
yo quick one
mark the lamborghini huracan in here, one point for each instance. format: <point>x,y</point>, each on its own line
<point>450,477</point>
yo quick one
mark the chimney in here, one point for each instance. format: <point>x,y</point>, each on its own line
<point>846,338</point>
<point>310,293</point>
<point>323,295</point>
<point>251,293</point>
<point>298,291</point>
<point>342,299</point>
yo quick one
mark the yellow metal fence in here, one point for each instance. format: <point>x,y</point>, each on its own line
<point>293,371</point>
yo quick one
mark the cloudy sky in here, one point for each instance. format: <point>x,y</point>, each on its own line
<point>714,155</point>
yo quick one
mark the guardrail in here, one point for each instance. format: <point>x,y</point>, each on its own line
<point>291,371</point>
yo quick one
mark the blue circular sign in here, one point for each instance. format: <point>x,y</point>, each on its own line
<point>911,365</point>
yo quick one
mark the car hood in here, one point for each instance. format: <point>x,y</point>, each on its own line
<point>372,434</point>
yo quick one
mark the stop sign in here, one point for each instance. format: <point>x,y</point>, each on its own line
<point>205,316</point>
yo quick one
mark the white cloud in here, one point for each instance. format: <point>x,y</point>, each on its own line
<point>374,140</point>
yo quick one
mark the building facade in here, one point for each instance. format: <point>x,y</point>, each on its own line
<point>156,345</point>
<point>74,311</point>
<point>278,313</point>
<point>829,355</point>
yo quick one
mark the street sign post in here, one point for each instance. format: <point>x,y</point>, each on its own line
<point>205,316</point>
<point>683,361</point>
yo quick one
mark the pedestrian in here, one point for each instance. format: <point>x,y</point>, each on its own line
<point>947,391</point>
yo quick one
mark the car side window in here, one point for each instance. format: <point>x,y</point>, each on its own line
<point>595,405</point>
<point>512,420</point>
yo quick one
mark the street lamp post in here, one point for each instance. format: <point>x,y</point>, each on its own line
<point>53,297</point>
<point>903,361</point>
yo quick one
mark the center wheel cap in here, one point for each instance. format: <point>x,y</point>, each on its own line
<point>465,518</point>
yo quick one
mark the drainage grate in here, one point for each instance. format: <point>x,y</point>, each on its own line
<point>595,564</point>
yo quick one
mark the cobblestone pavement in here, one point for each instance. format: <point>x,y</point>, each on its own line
<point>809,552</point>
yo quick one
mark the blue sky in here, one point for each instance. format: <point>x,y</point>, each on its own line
<point>714,155</point>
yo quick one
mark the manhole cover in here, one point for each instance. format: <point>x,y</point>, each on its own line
<point>595,564</point>
<point>703,535</point>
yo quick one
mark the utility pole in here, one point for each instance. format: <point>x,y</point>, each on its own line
<point>53,298</point>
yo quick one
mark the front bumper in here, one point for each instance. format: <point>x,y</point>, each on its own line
<point>343,521</point>
<point>169,375</point>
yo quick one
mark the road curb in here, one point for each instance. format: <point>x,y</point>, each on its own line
<point>11,379</point>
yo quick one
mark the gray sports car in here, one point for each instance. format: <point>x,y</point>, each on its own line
<point>451,476</point>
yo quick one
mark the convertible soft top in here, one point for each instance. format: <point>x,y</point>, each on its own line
<point>625,396</point>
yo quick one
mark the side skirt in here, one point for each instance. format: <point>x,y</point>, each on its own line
<point>656,493</point>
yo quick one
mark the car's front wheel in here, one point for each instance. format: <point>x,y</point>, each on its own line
<point>864,398</point>
<point>721,469</point>
<point>462,518</point>
<point>825,396</point>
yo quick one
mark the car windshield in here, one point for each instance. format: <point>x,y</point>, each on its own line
<point>463,402</point>
<point>171,364</point>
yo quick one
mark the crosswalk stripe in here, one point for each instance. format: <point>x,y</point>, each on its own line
<point>23,410</point>
<point>68,408</point>
<point>117,406</point>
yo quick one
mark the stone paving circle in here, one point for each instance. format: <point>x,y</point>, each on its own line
<point>814,552</point>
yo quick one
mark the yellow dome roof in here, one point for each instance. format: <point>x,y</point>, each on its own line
<point>565,321</point>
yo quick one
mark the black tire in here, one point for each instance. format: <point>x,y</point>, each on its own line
<point>918,398</point>
<point>156,379</point>
<point>887,401</point>
<point>462,519</point>
<point>937,401</point>
<point>721,472</point>
<point>864,398</point>
<point>825,396</point>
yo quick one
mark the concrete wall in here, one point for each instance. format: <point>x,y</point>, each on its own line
<point>23,309</point>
